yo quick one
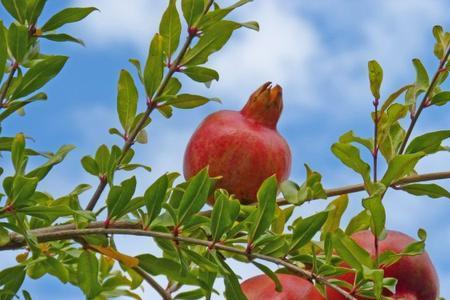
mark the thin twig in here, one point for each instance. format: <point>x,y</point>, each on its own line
<point>74,233</point>
<point>150,107</point>
<point>425,101</point>
<point>152,282</point>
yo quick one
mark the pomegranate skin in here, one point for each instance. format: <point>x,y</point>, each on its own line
<point>243,147</point>
<point>294,288</point>
<point>416,275</point>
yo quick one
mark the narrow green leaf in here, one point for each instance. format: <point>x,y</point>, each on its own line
<point>68,15</point>
<point>3,50</point>
<point>393,97</point>
<point>350,137</point>
<point>39,75</point>
<point>170,29</point>
<point>23,188</point>
<point>154,67</point>
<point>127,97</point>
<point>400,166</point>
<point>441,98</point>
<point>154,196</point>
<point>375,77</point>
<point>119,197</point>
<point>54,159</point>
<point>17,106</point>
<point>137,64</point>
<point>266,196</point>
<point>350,251</point>
<point>335,211</point>
<point>57,269</point>
<point>359,222</point>
<point>431,190</point>
<point>102,157</point>
<point>350,156</point>
<point>62,37</point>
<point>187,101</point>
<point>195,196</point>
<point>192,10</point>
<point>270,274</point>
<point>34,10</point>
<point>224,213</point>
<point>87,274</point>
<point>18,152</point>
<point>306,228</point>
<point>213,17</point>
<point>422,79</point>
<point>18,39</point>
<point>16,8</point>
<point>90,165</point>
<point>11,279</point>
<point>377,214</point>
<point>428,143</point>
<point>212,40</point>
<point>201,74</point>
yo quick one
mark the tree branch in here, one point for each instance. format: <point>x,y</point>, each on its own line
<point>151,105</point>
<point>152,282</point>
<point>425,100</point>
<point>57,234</point>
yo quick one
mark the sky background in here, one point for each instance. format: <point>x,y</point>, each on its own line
<point>316,50</point>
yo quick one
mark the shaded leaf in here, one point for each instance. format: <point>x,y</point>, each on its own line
<point>306,228</point>
<point>192,10</point>
<point>16,8</point>
<point>224,213</point>
<point>154,196</point>
<point>201,74</point>
<point>440,98</point>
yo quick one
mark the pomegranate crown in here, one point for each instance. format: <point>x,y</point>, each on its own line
<point>265,105</point>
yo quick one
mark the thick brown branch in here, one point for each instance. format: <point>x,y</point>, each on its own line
<point>65,234</point>
<point>425,100</point>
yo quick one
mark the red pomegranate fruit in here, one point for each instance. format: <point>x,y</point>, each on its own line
<point>416,275</point>
<point>243,147</point>
<point>294,288</point>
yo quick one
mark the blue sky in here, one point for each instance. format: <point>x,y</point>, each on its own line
<point>318,52</point>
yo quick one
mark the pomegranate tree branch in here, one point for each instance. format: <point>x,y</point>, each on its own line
<point>151,105</point>
<point>425,101</point>
<point>65,234</point>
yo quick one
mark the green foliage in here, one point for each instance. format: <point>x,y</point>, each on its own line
<point>196,243</point>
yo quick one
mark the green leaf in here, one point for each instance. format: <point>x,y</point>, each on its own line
<point>154,196</point>
<point>18,105</point>
<point>335,211</point>
<point>54,159</point>
<point>350,156</point>
<point>359,222</point>
<point>68,15</point>
<point>142,137</point>
<point>213,17</point>
<point>4,236</point>
<point>18,39</point>
<point>192,10</point>
<point>350,137</point>
<point>441,98</point>
<point>270,274</point>
<point>11,279</point>
<point>137,64</point>
<point>47,213</point>
<point>201,261</point>
<point>170,29</point>
<point>266,196</point>
<point>306,228</point>
<point>431,190</point>
<point>212,40</point>
<point>201,74</point>
<point>195,196</point>
<point>18,152</point>
<point>153,72</point>
<point>400,166</point>
<point>62,37</point>
<point>39,75</point>
<point>87,274</point>
<point>127,97</point>
<point>165,266</point>
<point>102,157</point>
<point>57,269</point>
<point>187,101</point>
<point>23,188</point>
<point>350,251</point>
<point>16,8</point>
<point>119,196</point>
<point>232,286</point>
<point>376,275</point>
<point>224,213</point>
<point>34,10</point>
<point>377,214</point>
<point>422,79</point>
<point>394,96</point>
<point>428,143</point>
<point>90,165</point>
<point>375,77</point>
<point>3,50</point>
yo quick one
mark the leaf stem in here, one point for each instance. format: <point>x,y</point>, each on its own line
<point>425,100</point>
<point>150,107</point>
